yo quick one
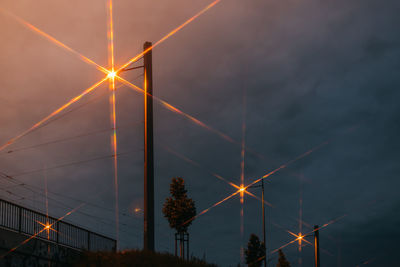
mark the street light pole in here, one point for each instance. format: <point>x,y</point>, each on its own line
<point>148,239</point>
<point>263,218</point>
<point>148,231</point>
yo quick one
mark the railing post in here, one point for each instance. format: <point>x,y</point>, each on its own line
<point>88,240</point>
<point>58,230</point>
<point>13,216</point>
<point>20,220</point>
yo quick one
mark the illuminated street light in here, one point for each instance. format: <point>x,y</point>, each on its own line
<point>112,74</point>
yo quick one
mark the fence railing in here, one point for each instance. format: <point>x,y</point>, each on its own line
<point>27,221</point>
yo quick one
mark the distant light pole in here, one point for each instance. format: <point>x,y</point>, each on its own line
<point>316,246</point>
<point>263,219</point>
<point>263,222</point>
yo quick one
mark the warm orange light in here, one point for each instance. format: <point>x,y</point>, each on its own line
<point>72,101</point>
<point>111,74</point>
<point>47,226</point>
<point>242,189</point>
<point>137,210</point>
<point>177,29</point>
<point>176,110</point>
<point>300,237</point>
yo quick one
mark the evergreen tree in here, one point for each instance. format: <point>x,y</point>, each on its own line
<point>178,208</point>
<point>255,251</point>
<point>282,261</point>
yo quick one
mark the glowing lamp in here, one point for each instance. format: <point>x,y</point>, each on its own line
<point>111,74</point>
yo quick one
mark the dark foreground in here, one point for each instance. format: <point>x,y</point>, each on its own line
<point>136,258</point>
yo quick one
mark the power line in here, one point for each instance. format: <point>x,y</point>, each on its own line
<point>94,217</point>
<point>64,139</point>
<point>57,141</point>
<point>68,112</point>
<point>57,202</point>
<point>70,164</point>
<point>39,191</point>
<point>102,220</point>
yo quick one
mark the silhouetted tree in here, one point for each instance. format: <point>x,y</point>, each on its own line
<point>255,251</point>
<point>179,209</point>
<point>282,261</point>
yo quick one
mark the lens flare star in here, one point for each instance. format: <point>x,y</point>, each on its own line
<point>46,227</point>
<point>243,189</point>
<point>301,237</point>
<point>111,76</point>
<point>171,33</point>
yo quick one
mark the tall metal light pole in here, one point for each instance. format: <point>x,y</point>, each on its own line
<point>316,246</point>
<point>148,239</point>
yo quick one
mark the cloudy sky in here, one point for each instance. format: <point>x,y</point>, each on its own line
<point>312,72</point>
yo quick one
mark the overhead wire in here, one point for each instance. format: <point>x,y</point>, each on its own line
<point>62,204</point>
<point>71,164</point>
<point>105,221</point>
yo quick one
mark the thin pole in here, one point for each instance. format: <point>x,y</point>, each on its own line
<point>187,240</point>
<point>316,246</point>
<point>176,247</point>
<point>182,246</point>
<point>263,222</point>
<point>148,239</point>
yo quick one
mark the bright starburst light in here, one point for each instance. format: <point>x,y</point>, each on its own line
<point>111,76</point>
<point>112,73</point>
<point>46,227</point>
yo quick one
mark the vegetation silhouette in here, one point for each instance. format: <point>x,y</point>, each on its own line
<point>179,210</point>
<point>282,261</point>
<point>136,258</point>
<point>255,251</point>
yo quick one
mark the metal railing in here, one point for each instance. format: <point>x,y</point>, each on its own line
<point>27,221</point>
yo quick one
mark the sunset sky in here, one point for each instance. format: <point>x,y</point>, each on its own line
<point>306,74</point>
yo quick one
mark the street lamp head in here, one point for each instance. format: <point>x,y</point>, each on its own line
<point>111,74</point>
